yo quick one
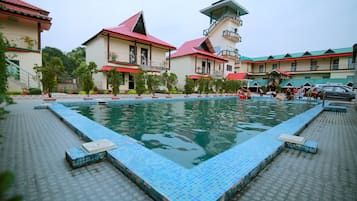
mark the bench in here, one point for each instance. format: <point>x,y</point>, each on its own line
<point>299,143</point>
<point>89,153</point>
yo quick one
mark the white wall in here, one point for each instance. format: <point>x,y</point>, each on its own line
<point>96,51</point>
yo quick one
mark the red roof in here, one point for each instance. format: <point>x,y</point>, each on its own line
<point>193,48</point>
<point>282,72</point>
<point>236,76</point>
<point>119,69</point>
<point>126,30</point>
<point>18,7</point>
<point>21,7</point>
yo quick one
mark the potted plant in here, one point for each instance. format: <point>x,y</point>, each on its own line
<point>114,78</point>
<point>139,80</point>
<point>170,81</point>
<point>85,74</point>
<point>153,82</point>
<point>189,85</point>
<point>48,73</point>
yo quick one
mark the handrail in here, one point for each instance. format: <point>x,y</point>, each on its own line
<point>212,25</point>
<point>21,74</point>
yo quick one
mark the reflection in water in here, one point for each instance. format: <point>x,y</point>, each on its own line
<point>189,132</point>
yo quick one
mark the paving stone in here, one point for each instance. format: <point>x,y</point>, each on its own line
<point>33,148</point>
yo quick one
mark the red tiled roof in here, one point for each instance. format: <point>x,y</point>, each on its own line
<point>125,30</point>
<point>192,48</point>
<point>119,69</point>
<point>282,72</point>
<point>236,76</point>
<point>23,8</point>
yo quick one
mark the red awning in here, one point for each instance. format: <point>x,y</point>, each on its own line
<point>119,69</point>
<point>236,76</point>
<point>197,77</point>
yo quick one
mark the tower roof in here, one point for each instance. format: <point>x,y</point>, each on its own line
<point>220,8</point>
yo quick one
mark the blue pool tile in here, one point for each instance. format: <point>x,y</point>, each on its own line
<point>216,178</point>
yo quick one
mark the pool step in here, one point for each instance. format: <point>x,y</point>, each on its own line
<point>299,143</point>
<point>335,108</point>
<point>89,153</point>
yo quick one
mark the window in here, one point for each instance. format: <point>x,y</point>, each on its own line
<point>261,68</point>
<point>229,68</point>
<point>335,64</point>
<point>122,80</point>
<point>144,56</point>
<point>132,58</point>
<point>203,67</point>
<point>293,66</point>
<point>13,69</point>
<point>313,65</point>
<point>208,67</point>
<point>349,65</point>
<point>274,66</point>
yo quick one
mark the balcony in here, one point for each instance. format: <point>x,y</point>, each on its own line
<point>235,19</point>
<point>155,66</point>
<point>233,36</point>
<point>231,54</point>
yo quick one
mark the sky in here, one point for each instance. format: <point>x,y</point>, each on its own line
<point>271,27</point>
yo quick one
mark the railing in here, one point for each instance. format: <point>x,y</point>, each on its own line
<point>229,53</point>
<point>24,77</point>
<point>306,69</point>
<point>231,35</point>
<point>213,25</point>
<point>161,66</point>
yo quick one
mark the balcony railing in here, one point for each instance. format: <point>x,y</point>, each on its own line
<point>155,66</point>
<point>213,25</point>
<point>233,54</point>
<point>231,35</point>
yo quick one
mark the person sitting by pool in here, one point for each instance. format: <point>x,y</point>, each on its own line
<point>241,94</point>
<point>314,93</point>
<point>249,94</point>
<point>277,96</point>
<point>289,94</point>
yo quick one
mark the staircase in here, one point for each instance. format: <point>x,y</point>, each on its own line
<point>19,78</point>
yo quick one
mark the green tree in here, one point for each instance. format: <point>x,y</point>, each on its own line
<point>85,74</point>
<point>170,81</point>
<point>189,85</point>
<point>114,80</point>
<point>201,85</point>
<point>139,80</point>
<point>68,64</point>
<point>218,85</point>
<point>49,71</point>
<point>153,83</point>
<point>76,57</point>
<point>3,72</point>
<point>6,180</point>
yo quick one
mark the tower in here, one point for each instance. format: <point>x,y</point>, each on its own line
<point>223,30</point>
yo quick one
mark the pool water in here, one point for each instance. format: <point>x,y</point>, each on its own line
<point>190,132</point>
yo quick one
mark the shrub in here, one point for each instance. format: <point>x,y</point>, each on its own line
<point>34,91</point>
<point>13,92</point>
<point>132,91</point>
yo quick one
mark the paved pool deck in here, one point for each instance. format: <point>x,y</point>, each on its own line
<point>34,142</point>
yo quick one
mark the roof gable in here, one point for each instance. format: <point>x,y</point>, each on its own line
<point>200,46</point>
<point>133,29</point>
<point>140,26</point>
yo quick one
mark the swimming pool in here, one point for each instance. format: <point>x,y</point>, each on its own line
<point>191,132</point>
